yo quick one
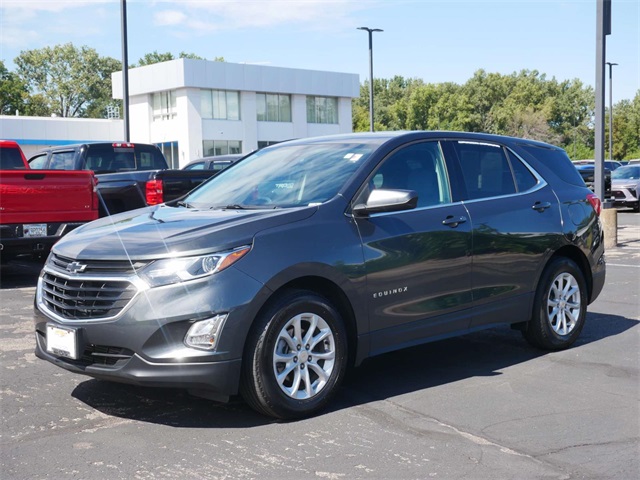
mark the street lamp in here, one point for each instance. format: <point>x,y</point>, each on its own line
<point>611,109</point>
<point>370,30</point>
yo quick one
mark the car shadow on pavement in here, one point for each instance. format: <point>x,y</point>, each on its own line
<point>482,354</point>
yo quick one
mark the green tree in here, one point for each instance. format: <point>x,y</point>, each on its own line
<point>524,103</point>
<point>155,57</point>
<point>626,129</point>
<point>13,92</point>
<point>72,82</point>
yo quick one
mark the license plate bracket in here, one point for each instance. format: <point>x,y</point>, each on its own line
<point>62,341</point>
<point>34,230</point>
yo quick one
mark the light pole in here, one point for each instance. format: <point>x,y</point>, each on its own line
<point>611,109</point>
<point>125,69</point>
<point>370,30</point>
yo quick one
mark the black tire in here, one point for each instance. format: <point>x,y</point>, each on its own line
<point>560,306</point>
<point>301,391</point>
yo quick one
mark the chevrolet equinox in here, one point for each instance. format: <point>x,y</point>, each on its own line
<point>311,255</point>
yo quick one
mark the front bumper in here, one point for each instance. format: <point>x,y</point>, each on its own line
<point>144,343</point>
<point>220,377</point>
<point>625,197</point>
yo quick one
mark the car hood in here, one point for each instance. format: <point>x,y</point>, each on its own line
<point>163,231</point>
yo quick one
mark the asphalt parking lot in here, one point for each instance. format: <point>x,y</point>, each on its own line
<point>485,405</point>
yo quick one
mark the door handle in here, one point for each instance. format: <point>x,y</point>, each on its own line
<point>541,206</point>
<point>453,222</point>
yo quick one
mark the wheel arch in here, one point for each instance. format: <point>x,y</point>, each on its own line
<point>334,294</point>
<point>580,259</point>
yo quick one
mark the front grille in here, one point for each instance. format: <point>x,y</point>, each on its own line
<point>618,194</point>
<point>124,267</point>
<point>80,299</point>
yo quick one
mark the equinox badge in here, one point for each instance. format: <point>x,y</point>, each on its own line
<point>385,293</point>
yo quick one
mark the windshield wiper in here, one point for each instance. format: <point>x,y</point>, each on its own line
<point>236,206</point>
<point>184,204</point>
<point>232,206</point>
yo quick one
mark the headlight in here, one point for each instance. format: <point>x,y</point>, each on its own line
<point>177,270</point>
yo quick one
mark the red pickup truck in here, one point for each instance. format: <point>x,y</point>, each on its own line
<point>37,207</point>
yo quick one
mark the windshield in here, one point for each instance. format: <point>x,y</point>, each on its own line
<point>626,173</point>
<point>283,176</point>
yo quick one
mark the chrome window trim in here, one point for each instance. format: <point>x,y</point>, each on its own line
<point>538,186</point>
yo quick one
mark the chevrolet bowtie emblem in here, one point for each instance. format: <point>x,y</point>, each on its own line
<point>76,267</point>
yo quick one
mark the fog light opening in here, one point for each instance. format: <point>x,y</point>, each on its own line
<point>204,334</point>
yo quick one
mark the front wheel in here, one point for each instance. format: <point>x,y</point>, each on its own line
<point>295,356</point>
<point>560,306</point>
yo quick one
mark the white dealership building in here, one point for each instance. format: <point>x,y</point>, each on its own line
<point>194,108</point>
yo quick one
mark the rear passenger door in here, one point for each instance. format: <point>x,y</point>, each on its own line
<point>515,220</point>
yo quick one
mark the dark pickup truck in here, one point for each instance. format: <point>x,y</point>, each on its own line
<point>129,175</point>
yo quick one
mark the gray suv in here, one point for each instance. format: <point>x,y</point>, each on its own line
<point>312,255</point>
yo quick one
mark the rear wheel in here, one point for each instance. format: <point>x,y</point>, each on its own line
<point>560,306</point>
<point>295,356</point>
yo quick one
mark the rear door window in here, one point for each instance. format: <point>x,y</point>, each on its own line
<point>485,170</point>
<point>62,160</point>
<point>525,180</point>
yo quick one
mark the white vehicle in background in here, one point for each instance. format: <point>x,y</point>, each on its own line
<point>625,186</point>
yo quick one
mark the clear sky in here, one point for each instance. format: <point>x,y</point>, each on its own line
<point>434,40</point>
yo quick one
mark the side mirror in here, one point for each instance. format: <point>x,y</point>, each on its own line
<point>383,200</point>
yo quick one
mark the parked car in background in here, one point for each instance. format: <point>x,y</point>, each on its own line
<point>610,165</point>
<point>131,175</point>
<point>625,187</point>
<point>315,254</point>
<point>216,162</point>
<point>38,207</point>
<point>587,172</point>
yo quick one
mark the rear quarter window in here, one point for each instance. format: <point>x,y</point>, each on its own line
<point>555,160</point>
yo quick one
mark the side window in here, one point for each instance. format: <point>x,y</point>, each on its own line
<point>61,161</point>
<point>419,167</point>
<point>525,180</point>
<point>485,170</point>
<point>38,162</point>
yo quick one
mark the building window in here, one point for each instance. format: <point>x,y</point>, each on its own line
<point>322,110</point>
<point>272,107</point>
<point>170,152</point>
<point>164,105</point>
<point>220,104</point>
<point>221,147</point>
